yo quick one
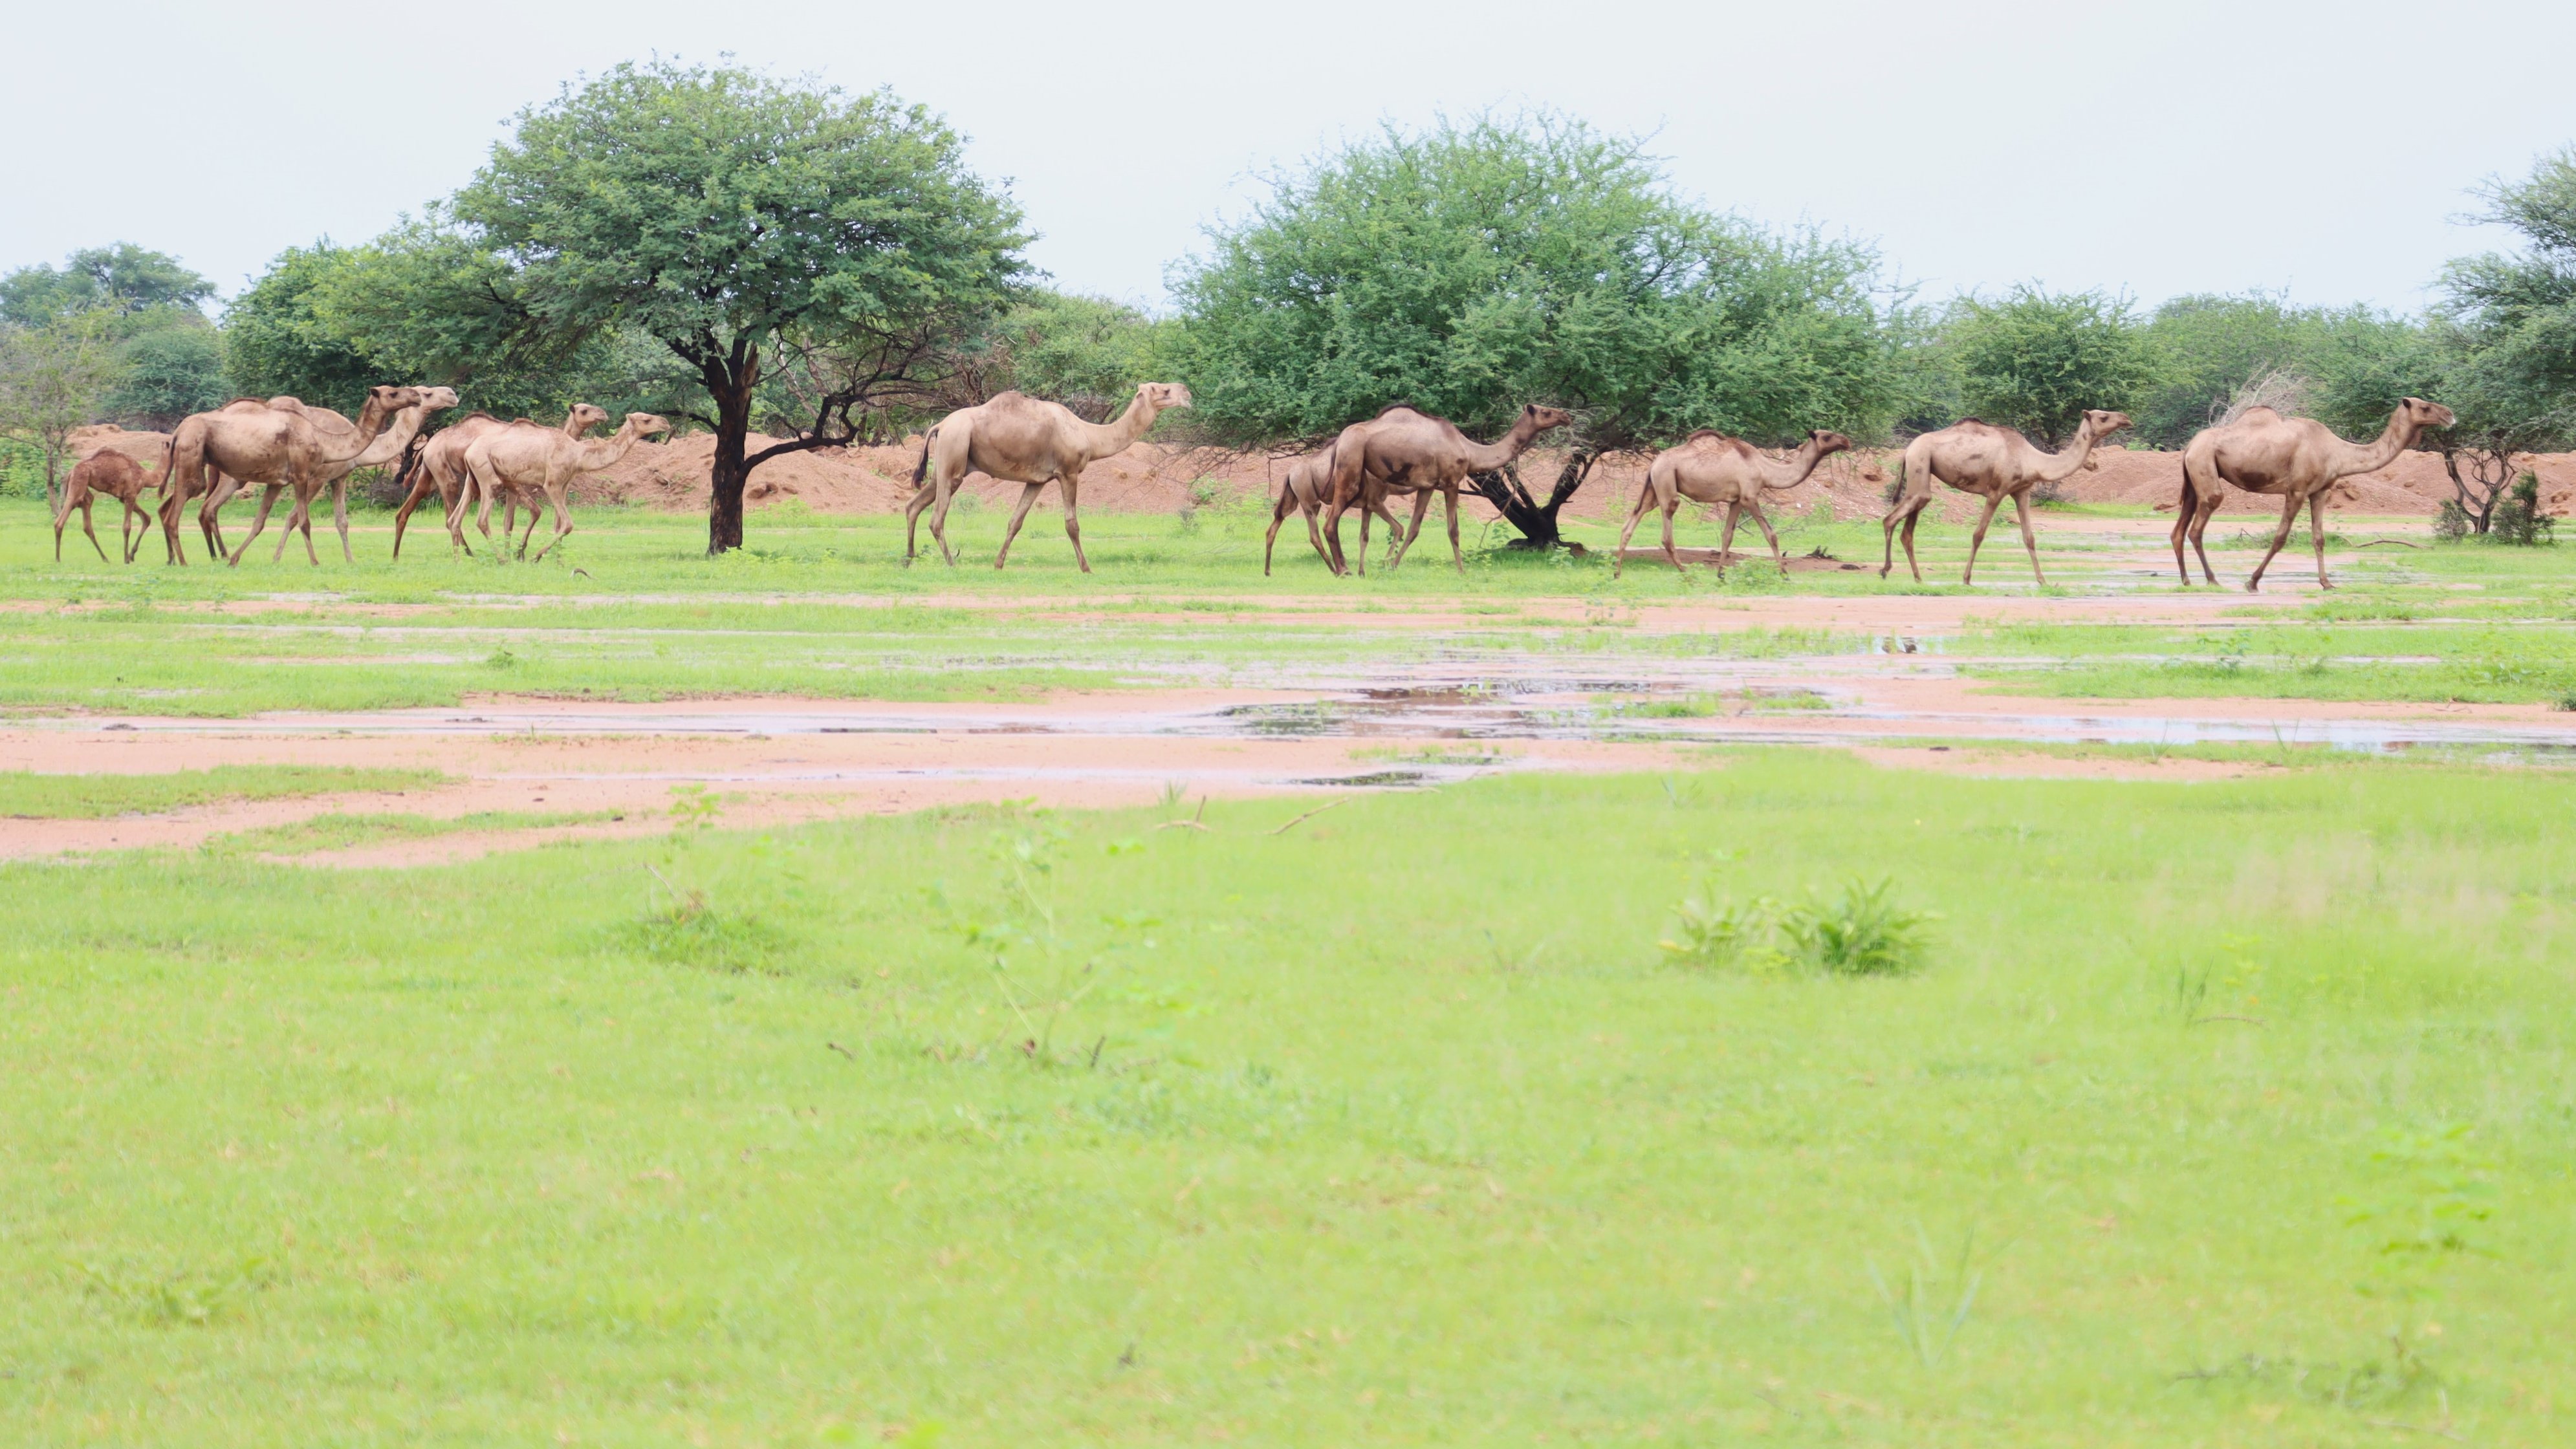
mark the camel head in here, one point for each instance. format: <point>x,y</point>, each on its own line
<point>1540,418</point>
<point>585,416</point>
<point>1162,396</point>
<point>438,399</point>
<point>647,425</point>
<point>2418,415</point>
<point>1828,444</point>
<point>2102,423</point>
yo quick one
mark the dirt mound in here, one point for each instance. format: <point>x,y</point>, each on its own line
<point>1156,478</point>
<point>152,450</point>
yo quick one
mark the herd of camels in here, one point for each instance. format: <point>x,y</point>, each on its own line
<point>283,444</point>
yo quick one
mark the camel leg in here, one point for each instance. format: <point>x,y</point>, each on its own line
<point>558,498</point>
<point>1902,512</point>
<point>1974,539</point>
<point>1399,537</point>
<point>536,515</point>
<point>1028,500</point>
<point>1627,531</point>
<point>1773,539</point>
<point>132,536</point>
<point>1333,534</point>
<point>2200,530</point>
<point>1278,516</point>
<point>259,521</point>
<point>2317,534</point>
<point>339,516</point>
<point>2029,543</point>
<point>72,498</point>
<point>210,514</point>
<point>1366,514</point>
<point>1726,538</point>
<point>1910,520</point>
<point>939,519</point>
<point>2280,536</point>
<point>421,484</point>
<point>2183,515</point>
<point>301,518</point>
<point>922,496</point>
<point>1073,518</point>
<point>87,503</point>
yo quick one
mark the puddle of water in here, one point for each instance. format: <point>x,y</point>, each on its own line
<point>1374,780</point>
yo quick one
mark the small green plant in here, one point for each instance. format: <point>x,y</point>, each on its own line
<point>1862,932</point>
<point>2519,519</point>
<point>694,807</point>
<point>2451,522</point>
<point>1930,1312</point>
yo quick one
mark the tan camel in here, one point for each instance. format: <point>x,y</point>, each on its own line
<point>256,443</point>
<point>1405,450</point>
<point>1302,490</point>
<point>1712,468</point>
<point>106,474</point>
<point>1995,464</point>
<point>1020,439</point>
<point>535,459</point>
<point>440,468</point>
<point>388,447</point>
<point>2294,458</point>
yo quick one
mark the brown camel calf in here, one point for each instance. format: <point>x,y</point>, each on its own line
<point>106,474</point>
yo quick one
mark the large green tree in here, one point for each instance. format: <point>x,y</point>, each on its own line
<point>1476,266</point>
<point>54,378</point>
<point>747,226</point>
<point>122,278</point>
<point>2037,360</point>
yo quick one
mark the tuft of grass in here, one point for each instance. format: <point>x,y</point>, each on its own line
<point>338,831</point>
<point>1860,932</point>
<point>27,795</point>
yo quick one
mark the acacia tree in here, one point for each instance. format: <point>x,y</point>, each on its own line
<point>1478,266</point>
<point>747,226</point>
<point>53,379</point>
<point>2037,361</point>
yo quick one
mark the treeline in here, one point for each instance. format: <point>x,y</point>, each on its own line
<point>762,257</point>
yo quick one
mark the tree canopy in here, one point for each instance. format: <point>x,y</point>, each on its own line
<point>748,227</point>
<point>122,278</point>
<point>1481,265</point>
<point>2038,360</point>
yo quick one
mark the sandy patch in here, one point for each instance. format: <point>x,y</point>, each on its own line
<point>2007,764</point>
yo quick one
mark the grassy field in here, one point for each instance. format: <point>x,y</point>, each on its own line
<point>823,607</point>
<point>27,794</point>
<point>2220,1114</point>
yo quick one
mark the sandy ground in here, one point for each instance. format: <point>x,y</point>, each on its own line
<point>777,761</point>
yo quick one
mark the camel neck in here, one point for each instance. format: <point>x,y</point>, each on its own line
<point>2062,466</point>
<point>1485,457</point>
<point>1793,472</point>
<point>2379,452</point>
<point>1120,433</point>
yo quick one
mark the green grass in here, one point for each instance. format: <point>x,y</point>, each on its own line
<point>2232,1113</point>
<point>338,831</point>
<point>25,794</point>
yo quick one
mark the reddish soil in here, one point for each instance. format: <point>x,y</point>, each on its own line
<point>1154,478</point>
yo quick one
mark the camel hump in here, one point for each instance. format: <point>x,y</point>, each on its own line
<point>1402,407</point>
<point>1699,433</point>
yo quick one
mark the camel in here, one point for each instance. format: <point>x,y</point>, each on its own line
<point>534,459</point>
<point>2295,458</point>
<point>1405,450</point>
<point>1994,463</point>
<point>1020,439</point>
<point>256,443</point>
<point>106,474</point>
<point>440,466</point>
<point>1302,489</point>
<point>1712,468</point>
<point>388,447</point>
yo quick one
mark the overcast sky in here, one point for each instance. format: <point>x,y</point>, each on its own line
<point>2324,149</point>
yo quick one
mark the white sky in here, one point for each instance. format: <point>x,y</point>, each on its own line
<point>2321,148</point>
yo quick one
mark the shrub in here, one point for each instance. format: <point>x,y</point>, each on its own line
<point>2451,524</point>
<point>1863,932</point>
<point>2519,519</point>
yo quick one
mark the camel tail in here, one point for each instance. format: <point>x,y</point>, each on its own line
<point>921,469</point>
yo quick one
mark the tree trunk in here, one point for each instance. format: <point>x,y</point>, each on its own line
<point>724,502</point>
<point>1535,520</point>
